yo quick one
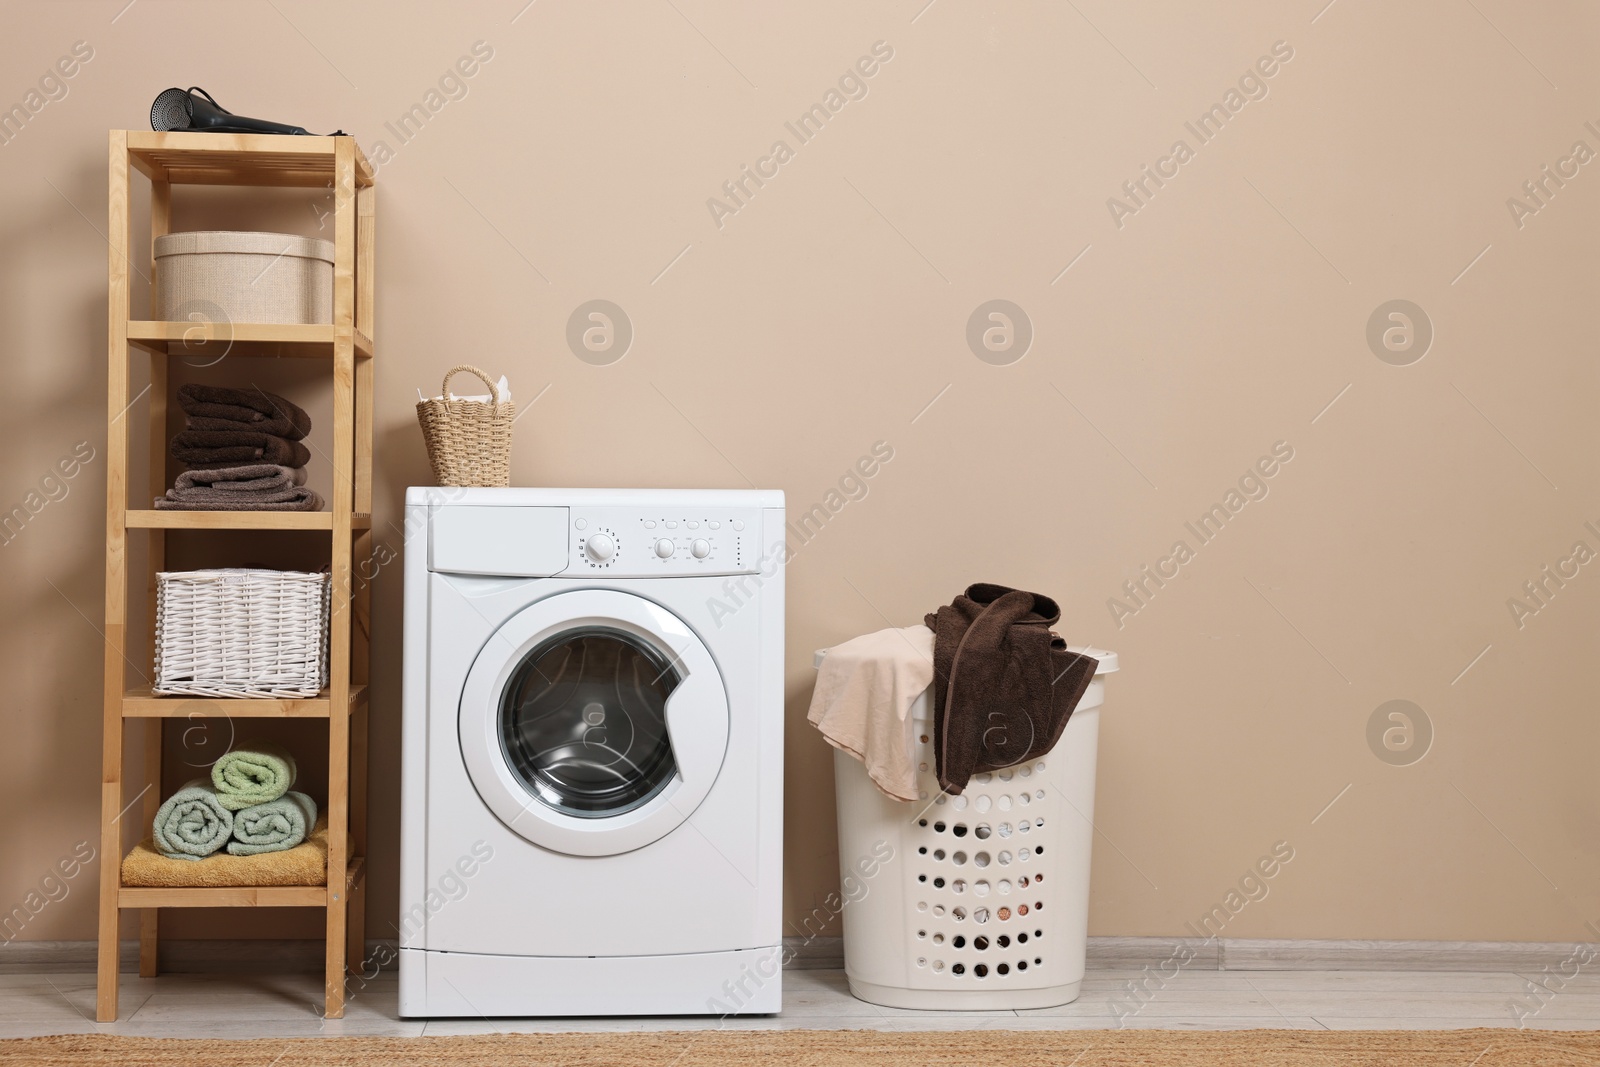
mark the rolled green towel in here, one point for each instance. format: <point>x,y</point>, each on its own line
<point>274,826</point>
<point>252,774</point>
<point>192,824</point>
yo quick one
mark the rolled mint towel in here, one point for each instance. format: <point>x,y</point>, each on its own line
<point>252,774</point>
<point>216,407</point>
<point>215,449</point>
<point>192,824</point>
<point>274,826</point>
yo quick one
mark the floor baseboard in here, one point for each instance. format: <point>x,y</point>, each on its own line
<point>1261,954</point>
<point>813,953</point>
<point>275,956</point>
<point>818,953</point>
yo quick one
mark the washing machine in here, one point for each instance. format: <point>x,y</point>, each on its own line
<point>591,778</point>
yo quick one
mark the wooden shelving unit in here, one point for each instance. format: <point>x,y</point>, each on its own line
<point>169,159</point>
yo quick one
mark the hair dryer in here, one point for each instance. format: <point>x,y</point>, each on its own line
<point>194,109</point>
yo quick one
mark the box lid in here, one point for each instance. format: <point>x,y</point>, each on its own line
<point>248,242</point>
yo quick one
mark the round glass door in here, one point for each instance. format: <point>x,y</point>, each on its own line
<point>593,722</point>
<point>583,721</point>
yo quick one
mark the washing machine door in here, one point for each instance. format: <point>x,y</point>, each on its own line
<point>593,722</point>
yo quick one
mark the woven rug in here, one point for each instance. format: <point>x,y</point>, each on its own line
<point>840,1048</point>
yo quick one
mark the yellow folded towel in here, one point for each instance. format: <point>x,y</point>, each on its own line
<point>305,864</point>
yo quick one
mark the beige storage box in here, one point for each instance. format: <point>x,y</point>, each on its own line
<point>234,276</point>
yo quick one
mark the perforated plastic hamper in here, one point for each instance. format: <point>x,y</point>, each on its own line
<point>985,901</point>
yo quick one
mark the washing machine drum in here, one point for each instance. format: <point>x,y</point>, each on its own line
<point>584,722</point>
<point>593,722</point>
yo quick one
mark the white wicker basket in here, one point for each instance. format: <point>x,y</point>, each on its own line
<point>241,633</point>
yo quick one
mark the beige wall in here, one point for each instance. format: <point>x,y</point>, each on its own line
<point>1224,316</point>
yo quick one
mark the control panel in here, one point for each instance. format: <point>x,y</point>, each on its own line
<point>634,542</point>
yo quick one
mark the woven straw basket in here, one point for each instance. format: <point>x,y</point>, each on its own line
<point>469,441</point>
<point>242,633</point>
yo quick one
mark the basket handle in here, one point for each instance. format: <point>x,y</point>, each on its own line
<point>494,390</point>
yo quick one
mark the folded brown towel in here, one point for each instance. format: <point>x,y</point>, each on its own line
<point>216,407</point>
<point>1012,684</point>
<point>209,498</point>
<point>215,449</point>
<point>251,478</point>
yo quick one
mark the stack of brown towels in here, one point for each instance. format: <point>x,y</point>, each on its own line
<point>243,451</point>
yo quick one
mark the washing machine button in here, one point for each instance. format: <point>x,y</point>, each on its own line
<point>670,524</point>
<point>738,524</point>
<point>714,524</point>
<point>649,524</point>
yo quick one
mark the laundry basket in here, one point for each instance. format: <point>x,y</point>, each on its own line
<point>978,901</point>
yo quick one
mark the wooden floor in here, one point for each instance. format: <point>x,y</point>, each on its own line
<point>289,1005</point>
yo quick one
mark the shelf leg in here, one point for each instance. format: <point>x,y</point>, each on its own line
<point>119,239</point>
<point>110,878</point>
<point>150,918</point>
<point>355,951</point>
<point>149,929</point>
<point>160,226</point>
<point>344,491</point>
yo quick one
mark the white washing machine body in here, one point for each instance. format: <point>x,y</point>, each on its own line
<point>591,795</point>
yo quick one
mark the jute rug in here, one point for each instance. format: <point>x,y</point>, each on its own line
<point>840,1048</point>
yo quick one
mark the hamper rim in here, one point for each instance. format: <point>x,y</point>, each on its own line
<point>1107,659</point>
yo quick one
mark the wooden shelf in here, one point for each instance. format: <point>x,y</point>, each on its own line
<point>263,896</point>
<point>336,169</point>
<point>240,520</point>
<point>190,158</point>
<point>207,341</point>
<point>258,896</point>
<point>143,704</point>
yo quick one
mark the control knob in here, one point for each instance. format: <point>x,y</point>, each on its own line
<point>701,549</point>
<point>599,548</point>
<point>664,548</point>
